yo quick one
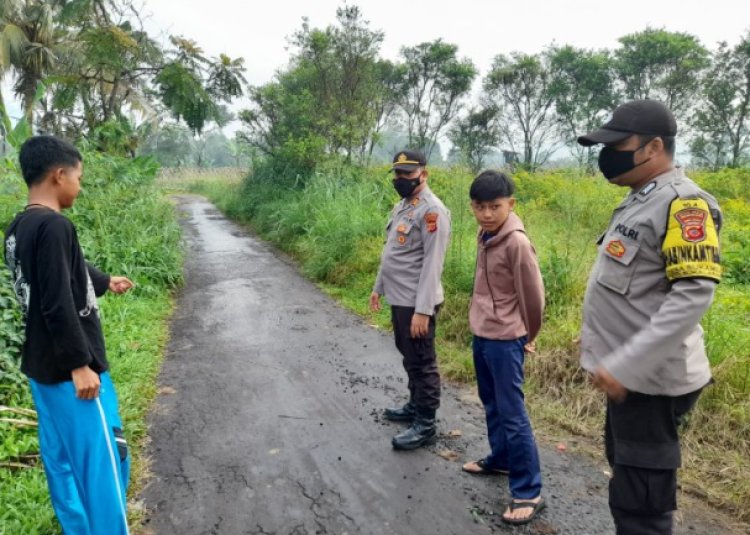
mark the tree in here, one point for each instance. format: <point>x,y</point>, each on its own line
<point>331,101</point>
<point>520,86</point>
<point>722,118</point>
<point>661,65</point>
<point>385,102</point>
<point>171,145</point>
<point>433,84</point>
<point>28,41</point>
<point>226,78</point>
<point>242,153</point>
<point>474,135</point>
<point>103,70</point>
<point>348,83</point>
<point>582,88</point>
<point>181,91</point>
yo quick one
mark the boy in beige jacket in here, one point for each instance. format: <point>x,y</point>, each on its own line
<point>505,316</point>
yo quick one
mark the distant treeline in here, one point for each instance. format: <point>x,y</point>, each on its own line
<point>89,71</point>
<point>337,97</point>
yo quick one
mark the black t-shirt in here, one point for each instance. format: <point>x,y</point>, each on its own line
<point>57,291</point>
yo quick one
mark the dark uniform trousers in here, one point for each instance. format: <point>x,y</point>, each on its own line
<point>643,449</point>
<point>420,360</point>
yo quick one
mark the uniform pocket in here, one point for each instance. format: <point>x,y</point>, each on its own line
<point>404,232</point>
<point>617,264</point>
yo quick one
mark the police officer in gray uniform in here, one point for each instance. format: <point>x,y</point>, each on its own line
<point>409,276</point>
<point>655,275</point>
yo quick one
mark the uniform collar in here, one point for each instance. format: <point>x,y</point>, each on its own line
<point>648,190</point>
<point>415,200</point>
<point>664,179</point>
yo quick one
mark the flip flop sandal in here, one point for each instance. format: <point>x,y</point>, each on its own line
<point>536,507</point>
<point>483,470</point>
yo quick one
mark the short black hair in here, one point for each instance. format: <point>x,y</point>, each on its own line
<point>39,154</point>
<point>489,185</point>
<point>668,142</point>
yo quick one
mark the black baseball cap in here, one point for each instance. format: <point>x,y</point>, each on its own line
<point>408,160</point>
<point>644,117</point>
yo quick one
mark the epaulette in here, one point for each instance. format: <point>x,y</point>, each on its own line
<point>685,190</point>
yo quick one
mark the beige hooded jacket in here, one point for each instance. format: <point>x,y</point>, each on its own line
<point>508,298</point>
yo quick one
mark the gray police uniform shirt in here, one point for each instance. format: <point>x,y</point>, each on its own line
<point>654,278</point>
<point>411,265</point>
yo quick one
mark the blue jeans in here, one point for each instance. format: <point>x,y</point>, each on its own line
<point>499,368</point>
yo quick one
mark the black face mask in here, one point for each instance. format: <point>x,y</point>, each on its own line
<point>405,186</point>
<point>614,163</point>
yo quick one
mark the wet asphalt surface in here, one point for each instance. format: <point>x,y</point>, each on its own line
<point>268,419</point>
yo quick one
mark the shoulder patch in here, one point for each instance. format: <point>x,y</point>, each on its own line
<point>431,218</point>
<point>691,243</point>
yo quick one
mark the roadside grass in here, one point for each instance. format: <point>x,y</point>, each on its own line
<point>333,224</point>
<point>178,179</point>
<point>125,227</point>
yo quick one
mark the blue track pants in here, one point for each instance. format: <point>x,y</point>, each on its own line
<point>85,457</point>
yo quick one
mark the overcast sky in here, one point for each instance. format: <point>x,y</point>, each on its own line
<point>258,31</point>
<point>482,29</point>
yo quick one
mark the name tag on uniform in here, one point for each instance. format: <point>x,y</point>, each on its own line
<point>628,232</point>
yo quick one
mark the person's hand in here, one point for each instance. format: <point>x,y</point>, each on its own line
<point>420,324</point>
<point>604,381</point>
<point>375,301</point>
<point>86,382</point>
<point>530,347</point>
<point>120,285</point>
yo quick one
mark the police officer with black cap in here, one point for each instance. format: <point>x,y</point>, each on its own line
<point>655,275</point>
<point>409,276</point>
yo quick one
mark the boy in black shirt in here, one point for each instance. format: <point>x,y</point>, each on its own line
<point>80,433</point>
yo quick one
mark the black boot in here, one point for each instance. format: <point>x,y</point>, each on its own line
<point>421,433</point>
<point>401,414</point>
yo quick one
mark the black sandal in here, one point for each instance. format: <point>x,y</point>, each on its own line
<point>536,507</point>
<point>483,470</point>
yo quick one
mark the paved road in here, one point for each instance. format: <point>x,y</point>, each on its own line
<point>268,421</point>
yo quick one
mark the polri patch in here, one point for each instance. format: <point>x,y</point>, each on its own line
<point>431,218</point>
<point>626,231</point>
<point>616,248</point>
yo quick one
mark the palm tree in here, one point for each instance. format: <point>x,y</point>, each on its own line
<point>27,43</point>
<point>226,77</point>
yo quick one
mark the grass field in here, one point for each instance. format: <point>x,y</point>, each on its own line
<point>125,227</point>
<point>333,225</point>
